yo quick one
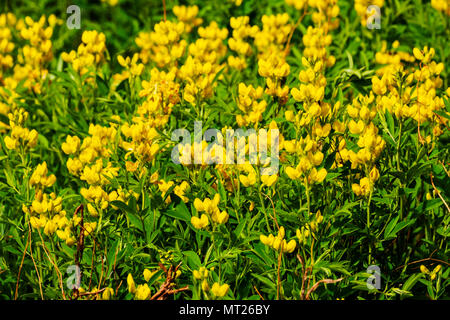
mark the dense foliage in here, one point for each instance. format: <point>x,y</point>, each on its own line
<point>90,191</point>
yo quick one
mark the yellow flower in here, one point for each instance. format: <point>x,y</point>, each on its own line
<point>267,240</point>
<point>374,174</point>
<point>11,143</point>
<point>418,54</point>
<point>181,190</point>
<point>248,180</point>
<point>71,145</point>
<point>106,295</point>
<point>142,292</point>
<point>131,284</point>
<point>269,180</point>
<point>92,210</point>
<point>201,222</point>
<point>290,246</point>
<point>318,176</point>
<point>201,273</point>
<point>205,285</point>
<point>435,271</point>
<point>292,173</point>
<point>220,217</point>
<point>219,290</point>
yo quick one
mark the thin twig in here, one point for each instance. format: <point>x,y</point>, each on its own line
<point>316,285</point>
<point>20,268</point>
<point>259,294</point>
<point>54,264</point>
<point>422,260</point>
<point>34,263</point>
<point>164,8</point>
<point>438,192</point>
<point>291,33</point>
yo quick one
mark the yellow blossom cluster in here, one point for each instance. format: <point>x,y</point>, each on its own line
<point>188,15</point>
<point>361,114</point>
<point>239,41</point>
<point>90,53</point>
<point>132,70</point>
<point>217,290</point>
<point>6,44</point>
<point>273,36</point>
<point>250,106</point>
<point>412,93</point>
<point>314,117</point>
<point>20,138</point>
<point>203,63</point>
<point>27,64</point>
<point>211,209</point>
<point>180,190</point>
<point>164,45</point>
<point>90,162</point>
<point>275,69</point>
<point>278,242</point>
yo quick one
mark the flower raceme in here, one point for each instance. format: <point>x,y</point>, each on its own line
<point>278,242</point>
<point>211,209</point>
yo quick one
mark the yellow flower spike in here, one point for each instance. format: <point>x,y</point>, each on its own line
<point>142,292</point>
<point>200,223</point>
<point>131,284</point>
<point>219,290</point>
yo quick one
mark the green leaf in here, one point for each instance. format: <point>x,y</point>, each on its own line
<point>264,280</point>
<point>181,212</point>
<point>409,284</point>
<point>193,260</point>
<point>390,227</point>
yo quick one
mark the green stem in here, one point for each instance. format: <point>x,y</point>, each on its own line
<point>264,210</point>
<point>368,227</point>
